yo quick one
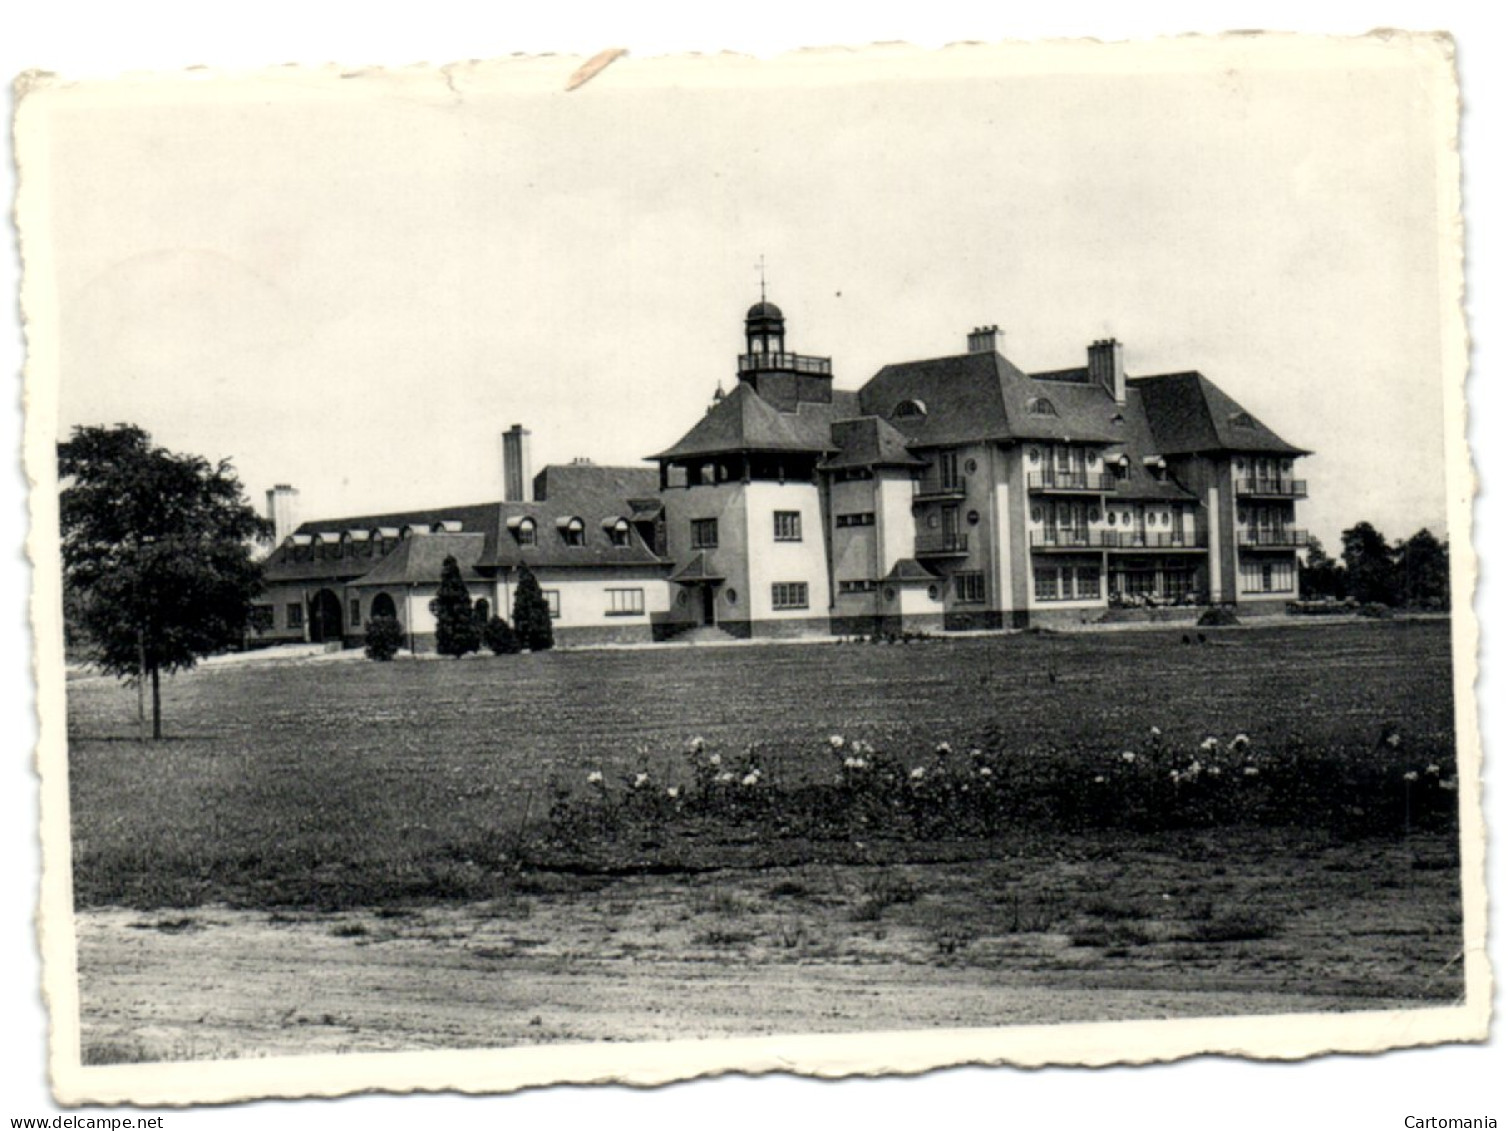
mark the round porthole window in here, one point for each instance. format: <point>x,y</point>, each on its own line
<point>1110,517</point>
<point>889,593</point>
<point>973,518</point>
<point>681,597</point>
<point>970,466</point>
<point>1033,455</point>
<point>932,592</point>
<point>1036,514</point>
<point>1092,459</point>
<point>1094,514</point>
<point>732,596</point>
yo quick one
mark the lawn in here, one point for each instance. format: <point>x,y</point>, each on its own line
<point>348,782</point>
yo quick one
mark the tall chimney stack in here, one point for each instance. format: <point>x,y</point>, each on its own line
<point>518,478</point>
<point>282,502</point>
<point>1106,367</point>
<point>982,339</point>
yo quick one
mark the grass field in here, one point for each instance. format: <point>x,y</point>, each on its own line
<point>353,781</point>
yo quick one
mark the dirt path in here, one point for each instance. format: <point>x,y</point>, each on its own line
<point>813,949</point>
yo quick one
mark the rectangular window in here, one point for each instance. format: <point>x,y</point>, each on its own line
<point>947,471</point>
<point>355,612</point>
<point>968,588</point>
<point>1087,583</point>
<point>704,533</point>
<point>296,615</point>
<point>1045,579</point>
<point>262,617</point>
<point>861,518</point>
<point>860,585</point>
<point>1177,583</point>
<point>1267,577</point>
<point>552,599</point>
<point>787,526</point>
<point>625,602</point>
<point>788,595</point>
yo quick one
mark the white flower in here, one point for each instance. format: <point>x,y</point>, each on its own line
<point>594,778</point>
<point>1448,783</point>
<point>1240,742</point>
<point>1210,744</point>
<point>724,778</point>
<point>1194,767</point>
<point>985,771</point>
<point>715,760</point>
<point>836,742</point>
<point>696,745</point>
<point>1394,739</point>
<point>1432,768</point>
<point>1176,776</point>
<point>1250,771</point>
<point>976,753</point>
<point>673,792</point>
<point>640,780</point>
<point>944,748</point>
<point>1129,756</point>
<point>1099,779</point>
<point>1412,775</point>
<point>1155,732</point>
<point>751,778</point>
<point>1214,771</point>
<point>918,773</point>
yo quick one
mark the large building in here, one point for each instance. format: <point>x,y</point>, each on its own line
<point>948,494</point>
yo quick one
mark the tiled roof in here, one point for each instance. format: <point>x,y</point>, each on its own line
<point>743,421</point>
<point>868,441</point>
<point>982,396</point>
<point>1137,445</point>
<point>571,480</point>
<point>1188,413</point>
<point>418,560</point>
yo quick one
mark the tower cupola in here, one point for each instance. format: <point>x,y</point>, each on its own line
<point>764,328</point>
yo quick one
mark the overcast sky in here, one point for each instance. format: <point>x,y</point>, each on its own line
<point>354,285</point>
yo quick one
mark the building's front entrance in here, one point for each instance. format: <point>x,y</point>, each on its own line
<point>709,604</point>
<point>324,617</point>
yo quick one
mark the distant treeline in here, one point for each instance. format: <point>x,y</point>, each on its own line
<point>1404,574</point>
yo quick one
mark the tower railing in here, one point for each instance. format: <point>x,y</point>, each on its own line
<point>784,362</point>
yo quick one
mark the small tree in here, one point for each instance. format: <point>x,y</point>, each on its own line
<point>384,638</point>
<point>1320,575</point>
<point>456,631</point>
<point>531,613</point>
<point>156,555</point>
<point>499,636</point>
<point>1370,573</point>
<point>1424,571</point>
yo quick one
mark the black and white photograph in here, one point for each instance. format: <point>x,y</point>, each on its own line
<point>577,568</point>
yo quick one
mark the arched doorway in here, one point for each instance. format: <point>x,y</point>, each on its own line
<point>382,606</point>
<point>324,617</point>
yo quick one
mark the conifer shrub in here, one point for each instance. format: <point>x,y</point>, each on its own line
<point>498,635</point>
<point>1218,617</point>
<point>456,629</point>
<point>531,614</point>
<point>384,637</point>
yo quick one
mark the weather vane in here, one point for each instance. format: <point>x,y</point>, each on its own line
<point>761,278</point>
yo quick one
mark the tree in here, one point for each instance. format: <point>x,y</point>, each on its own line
<point>531,613</point>
<point>456,631</point>
<point>1320,575</point>
<point>500,637</point>
<point>384,637</point>
<point>1370,573</point>
<point>157,554</point>
<point>1423,567</point>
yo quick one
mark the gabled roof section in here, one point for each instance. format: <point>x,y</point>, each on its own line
<point>1188,413</point>
<point>982,396</point>
<point>697,569</point>
<point>418,560</point>
<point>909,570</point>
<point>868,441</point>
<point>743,421</point>
<point>1137,446</point>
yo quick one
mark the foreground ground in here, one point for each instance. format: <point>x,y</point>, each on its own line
<point>349,856</point>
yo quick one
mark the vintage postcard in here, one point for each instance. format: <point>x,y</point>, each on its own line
<point>619,569</point>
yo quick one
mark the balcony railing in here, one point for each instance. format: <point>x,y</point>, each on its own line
<point>941,545</point>
<point>1072,539</point>
<point>784,362</point>
<point>1096,481</point>
<point>1272,539</point>
<point>1162,540</point>
<point>1275,488</point>
<point>933,487</point>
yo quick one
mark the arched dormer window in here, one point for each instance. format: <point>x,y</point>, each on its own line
<point>1041,406</point>
<point>910,407</point>
<point>617,530</point>
<point>572,530</point>
<point>1242,420</point>
<point>523,529</point>
<point>446,526</point>
<point>409,531</point>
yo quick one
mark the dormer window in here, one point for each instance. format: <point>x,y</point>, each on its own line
<point>1242,420</point>
<point>906,408</point>
<point>1041,406</point>
<point>572,531</point>
<point>1121,467</point>
<point>446,526</point>
<point>617,530</point>
<point>522,527</point>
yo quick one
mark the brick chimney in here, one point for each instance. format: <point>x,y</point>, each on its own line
<point>282,503</point>
<point>982,339</point>
<point>1107,368</point>
<point>517,472</point>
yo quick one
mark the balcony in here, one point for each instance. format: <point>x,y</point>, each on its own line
<point>1163,540</point>
<point>1272,488</point>
<point>784,363</point>
<point>944,545</point>
<point>1272,539</point>
<point>1072,539</point>
<point>1072,482</point>
<point>931,488</point>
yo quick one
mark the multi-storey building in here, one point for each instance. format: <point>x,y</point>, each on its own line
<point>947,494</point>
